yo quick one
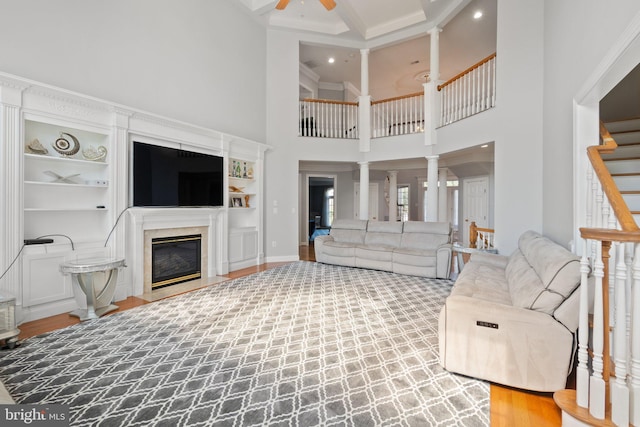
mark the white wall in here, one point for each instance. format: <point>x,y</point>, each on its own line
<point>281,180</point>
<point>515,124</point>
<point>579,34</point>
<point>202,63</point>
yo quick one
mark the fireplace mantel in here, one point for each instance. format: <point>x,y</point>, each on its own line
<point>145,219</point>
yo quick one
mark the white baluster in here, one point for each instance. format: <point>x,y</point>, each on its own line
<point>334,119</point>
<point>598,209</point>
<point>467,92</point>
<point>597,386</point>
<point>619,389</point>
<point>582,371</point>
<point>635,341</point>
<point>606,212</point>
<point>493,84</point>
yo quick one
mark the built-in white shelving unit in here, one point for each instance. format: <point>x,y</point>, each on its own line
<point>65,194</point>
<point>79,194</point>
<point>244,217</point>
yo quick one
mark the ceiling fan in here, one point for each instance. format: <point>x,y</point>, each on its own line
<point>328,4</point>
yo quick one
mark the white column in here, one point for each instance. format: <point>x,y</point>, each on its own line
<point>442,195</point>
<point>393,196</point>
<point>364,72</point>
<point>364,103</point>
<point>431,94</point>
<point>11,194</point>
<point>364,190</point>
<point>432,188</point>
<point>434,54</point>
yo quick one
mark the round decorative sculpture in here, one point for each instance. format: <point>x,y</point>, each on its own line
<point>64,147</point>
<point>95,154</point>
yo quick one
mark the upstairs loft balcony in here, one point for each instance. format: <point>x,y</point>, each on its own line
<point>468,93</point>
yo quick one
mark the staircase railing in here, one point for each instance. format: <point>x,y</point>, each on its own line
<point>470,92</point>
<point>401,115</point>
<point>608,369</point>
<point>481,238</point>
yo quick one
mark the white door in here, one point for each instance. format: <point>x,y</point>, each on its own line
<point>373,200</point>
<point>475,204</point>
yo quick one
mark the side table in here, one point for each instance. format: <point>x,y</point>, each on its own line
<point>99,295</point>
<point>464,252</point>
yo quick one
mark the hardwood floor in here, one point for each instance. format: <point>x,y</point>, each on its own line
<point>509,407</point>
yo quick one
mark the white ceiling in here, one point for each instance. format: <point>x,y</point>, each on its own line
<point>395,32</point>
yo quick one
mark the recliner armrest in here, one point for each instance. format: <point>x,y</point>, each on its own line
<point>495,260</point>
<point>443,261</point>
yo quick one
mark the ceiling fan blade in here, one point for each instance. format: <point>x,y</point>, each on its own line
<point>328,4</point>
<point>282,4</point>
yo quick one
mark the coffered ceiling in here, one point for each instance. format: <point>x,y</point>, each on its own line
<point>394,31</point>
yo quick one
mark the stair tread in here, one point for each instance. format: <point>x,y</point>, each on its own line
<point>566,400</point>
<point>626,174</point>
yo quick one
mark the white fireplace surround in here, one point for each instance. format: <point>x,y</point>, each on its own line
<point>172,221</point>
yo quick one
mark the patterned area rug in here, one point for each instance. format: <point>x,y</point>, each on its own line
<point>304,344</point>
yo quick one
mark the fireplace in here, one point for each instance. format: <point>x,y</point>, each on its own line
<point>175,259</point>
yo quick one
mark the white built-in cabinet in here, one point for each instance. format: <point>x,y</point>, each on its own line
<point>66,194</point>
<point>66,197</point>
<point>244,215</point>
<point>80,197</point>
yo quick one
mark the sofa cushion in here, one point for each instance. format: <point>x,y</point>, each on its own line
<point>384,233</point>
<point>422,258</point>
<point>425,235</point>
<point>348,230</point>
<point>374,252</point>
<point>541,273</point>
<point>339,249</point>
<point>483,281</point>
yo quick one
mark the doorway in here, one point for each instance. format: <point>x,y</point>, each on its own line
<point>475,205</point>
<point>321,204</point>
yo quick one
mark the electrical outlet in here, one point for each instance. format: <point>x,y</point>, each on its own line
<point>274,243</point>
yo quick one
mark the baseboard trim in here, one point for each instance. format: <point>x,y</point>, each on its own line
<point>290,258</point>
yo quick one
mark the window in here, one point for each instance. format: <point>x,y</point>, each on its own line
<point>403,203</point>
<point>328,195</point>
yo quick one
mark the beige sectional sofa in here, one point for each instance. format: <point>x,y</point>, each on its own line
<point>415,248</point>
<point>512,320</point>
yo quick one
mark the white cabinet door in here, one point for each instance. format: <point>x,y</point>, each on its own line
<point>43,281</point>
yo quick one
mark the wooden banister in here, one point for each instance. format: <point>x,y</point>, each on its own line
<point>397,98</point>
<point>467,71</point>
<point>475,231</point>
<point>329,101</point>
<point>609,187</point>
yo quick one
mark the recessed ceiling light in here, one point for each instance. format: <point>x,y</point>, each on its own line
<point>331,60</point>
<point>477,15</point>
<point>484,146</point>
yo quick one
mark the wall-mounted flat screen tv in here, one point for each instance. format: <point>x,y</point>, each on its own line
<point>164,176</point>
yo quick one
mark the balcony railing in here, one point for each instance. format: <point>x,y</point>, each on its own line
<point>401,115</point>
<point>470,92</point>
<point>324,118</point>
